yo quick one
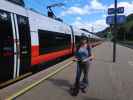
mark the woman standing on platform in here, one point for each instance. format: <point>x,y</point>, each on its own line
<point>83,57</point>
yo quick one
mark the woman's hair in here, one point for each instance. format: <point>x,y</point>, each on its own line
<point>81,43</point>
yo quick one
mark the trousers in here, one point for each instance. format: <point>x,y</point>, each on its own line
<point>82,67</point>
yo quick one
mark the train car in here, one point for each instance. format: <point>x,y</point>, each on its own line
<point>50,38</point>
<point>29,38</point>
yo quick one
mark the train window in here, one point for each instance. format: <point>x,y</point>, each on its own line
<point>53,41</point>
<point>19,2</point>
<point>22,20</point>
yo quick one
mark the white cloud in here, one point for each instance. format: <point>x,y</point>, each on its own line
<point>78,18</point>
<point>75,10</point>
<point>80,24</point>
<point>95,4</point>
<point>97,25</point>
<point>94,7</point>
<point>128,6</point>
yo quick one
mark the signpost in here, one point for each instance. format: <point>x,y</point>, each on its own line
<point>114,19</point>
<point>115,33</point>
<point>120,19</point>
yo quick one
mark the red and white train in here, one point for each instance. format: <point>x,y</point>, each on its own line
<point>28,38</point>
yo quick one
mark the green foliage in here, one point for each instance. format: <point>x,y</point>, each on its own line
<point>124,31</point>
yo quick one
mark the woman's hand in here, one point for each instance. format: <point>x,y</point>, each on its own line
<point>86,59</point>
<point>89,58</point>
<point>75,59</point>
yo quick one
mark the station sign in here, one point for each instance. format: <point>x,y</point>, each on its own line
<point>110,20</point>
<point>111,11</point>
<point>119,10</point>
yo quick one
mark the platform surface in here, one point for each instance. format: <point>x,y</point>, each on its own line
<point>108,81</point>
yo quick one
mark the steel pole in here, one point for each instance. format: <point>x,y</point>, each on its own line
<point>115,32</point>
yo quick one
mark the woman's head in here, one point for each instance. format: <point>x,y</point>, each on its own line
<point>83,42</point>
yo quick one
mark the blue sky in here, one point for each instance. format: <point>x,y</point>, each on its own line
<point>81,13</point>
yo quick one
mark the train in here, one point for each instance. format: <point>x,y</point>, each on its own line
<point>28,38</point>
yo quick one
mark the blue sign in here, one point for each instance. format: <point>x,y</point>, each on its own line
<point>111,11</point>
<point>111,19</point>
<point>119,10</point>
<point>121,19</point>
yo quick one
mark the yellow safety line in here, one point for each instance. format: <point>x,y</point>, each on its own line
<point>36,83</point>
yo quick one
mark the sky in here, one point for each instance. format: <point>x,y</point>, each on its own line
<point>88,14</point>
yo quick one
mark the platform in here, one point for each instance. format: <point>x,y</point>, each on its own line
<point>108,80</point>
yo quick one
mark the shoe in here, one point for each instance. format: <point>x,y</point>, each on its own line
<point>83,87</point>
<point>74,91</point>
<point>83,90</point>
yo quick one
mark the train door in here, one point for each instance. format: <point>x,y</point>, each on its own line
<point>24,44</point>
<point>73,40</point>
<point>7,47</point>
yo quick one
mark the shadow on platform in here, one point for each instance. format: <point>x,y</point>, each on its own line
<point>63,84</point>
<point>90,98</point>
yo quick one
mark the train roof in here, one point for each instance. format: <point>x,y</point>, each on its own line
<point>38,21</point>
<point>11,7</point>
<point>35,18</point>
